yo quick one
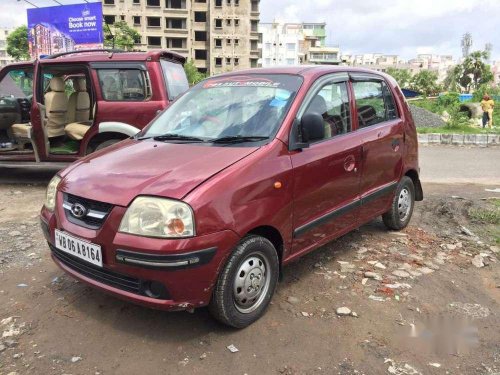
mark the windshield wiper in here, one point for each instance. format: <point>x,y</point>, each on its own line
<point>177,137</point>
<point>238,139</point>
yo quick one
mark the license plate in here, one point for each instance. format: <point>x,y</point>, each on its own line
<point>85,250</point>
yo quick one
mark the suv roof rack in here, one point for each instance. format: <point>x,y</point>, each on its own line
<point>55,56</point>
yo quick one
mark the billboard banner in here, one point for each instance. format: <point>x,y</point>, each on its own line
<point>64,28</point>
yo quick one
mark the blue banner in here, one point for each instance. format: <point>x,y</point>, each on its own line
<point>64,28</point>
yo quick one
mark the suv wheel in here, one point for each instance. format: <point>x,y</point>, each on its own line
<point>107,143</point>
<point>401,210</point>
<point>246,284</point>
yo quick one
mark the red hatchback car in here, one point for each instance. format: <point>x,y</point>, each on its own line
<point>241,175</point>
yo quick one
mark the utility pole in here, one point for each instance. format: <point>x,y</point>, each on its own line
<point>466,44</point>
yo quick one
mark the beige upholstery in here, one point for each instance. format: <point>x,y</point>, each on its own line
<point>77,130</point>
<point>78,111</point>
<point>79,102</point>
<point>21,130</point>
<point>56,104</point>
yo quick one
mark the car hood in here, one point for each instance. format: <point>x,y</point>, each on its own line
<point>120,173</point>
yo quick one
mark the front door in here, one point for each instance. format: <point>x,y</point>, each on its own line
<point>327,173</point>
<point>16,93</point>
<point>382,133</point>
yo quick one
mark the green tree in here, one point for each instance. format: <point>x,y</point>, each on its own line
<point>425,82</point>
<point>476,71</point>
<point>120,35</point>
<point>471,74</point>
<point>452,80</point>
<point>192,73</point>
<point>402,76</point>
<point>17,44</point>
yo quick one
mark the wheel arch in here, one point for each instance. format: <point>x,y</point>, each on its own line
<point>274,236</point>
<point>103,137</point>
<point>419,193</point>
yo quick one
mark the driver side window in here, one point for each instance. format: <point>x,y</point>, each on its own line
<point>332,103</point>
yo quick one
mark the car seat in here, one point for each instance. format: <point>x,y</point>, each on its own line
<point>366,115</point>
<point>318,105</point>
<point>56,107</point>
<point>78,111</point>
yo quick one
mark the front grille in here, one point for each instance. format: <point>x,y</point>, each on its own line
<point>100,208</point>
<point>102,275</point>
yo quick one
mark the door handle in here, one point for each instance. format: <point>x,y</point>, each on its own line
<point>350,164</point>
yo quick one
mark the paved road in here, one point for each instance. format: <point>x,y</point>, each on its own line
<point>451,164</point>
<point>439,164</point>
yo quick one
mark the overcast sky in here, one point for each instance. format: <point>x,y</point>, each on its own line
<point>403,27</point>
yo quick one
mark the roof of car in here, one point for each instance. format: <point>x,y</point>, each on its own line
<point>111,55</point>
<point>303,70</point>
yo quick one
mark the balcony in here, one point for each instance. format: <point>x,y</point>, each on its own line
<point>175,11</point>
<point>176,31</point>
<point>256,54</point>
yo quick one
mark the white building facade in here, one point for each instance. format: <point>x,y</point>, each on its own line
<point>5,59</point>
<point>296,43</point>
<point>280,43</point>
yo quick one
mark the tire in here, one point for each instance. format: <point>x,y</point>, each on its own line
<point>107,143</point>
<point>402,205</point>
<point>238,300</point>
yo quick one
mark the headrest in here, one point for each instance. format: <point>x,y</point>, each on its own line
<point>79,84</point>
<point>318,105</point>
<point>57,84</point>
<point>367,112</point>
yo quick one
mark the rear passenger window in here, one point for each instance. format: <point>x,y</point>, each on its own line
<point>175,78</point>
<point>124,84</point>
<point>374,103</point>
<point>332,102</point>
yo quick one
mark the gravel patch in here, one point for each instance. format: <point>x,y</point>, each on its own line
<point>425,118</point>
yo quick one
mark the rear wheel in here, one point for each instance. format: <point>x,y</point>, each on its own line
<point>99,145</point>
<point>246,284</point>
<point>107,143</point>
<point>401,210</point>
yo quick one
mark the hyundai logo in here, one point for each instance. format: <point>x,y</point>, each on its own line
<point>78,210</point>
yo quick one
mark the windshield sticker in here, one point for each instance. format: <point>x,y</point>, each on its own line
<point>241,82</point>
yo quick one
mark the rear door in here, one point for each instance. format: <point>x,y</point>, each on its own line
<point>326,174</point>
<point>381,130</point>
<point>125,94</point>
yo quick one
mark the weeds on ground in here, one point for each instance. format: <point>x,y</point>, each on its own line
<point>485,216</point>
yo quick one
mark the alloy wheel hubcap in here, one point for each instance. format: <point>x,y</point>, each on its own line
<point>404,204</point>
<point>251,283</point>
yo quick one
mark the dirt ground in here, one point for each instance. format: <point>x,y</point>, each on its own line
<point>429,304</point>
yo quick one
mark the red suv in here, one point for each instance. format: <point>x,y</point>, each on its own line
<point>243,174</point>
<point>68,105</point>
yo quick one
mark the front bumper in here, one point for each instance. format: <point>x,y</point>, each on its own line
<point>158,273</point>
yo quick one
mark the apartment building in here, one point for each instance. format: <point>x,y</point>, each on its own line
<point>219,35</point>
<point>280,43</point>
<point>4,56</point>
<point>296,43</point>
<point>380,62</point>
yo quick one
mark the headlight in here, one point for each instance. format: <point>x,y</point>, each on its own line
<point>158,217</point>
<point>50,198</point>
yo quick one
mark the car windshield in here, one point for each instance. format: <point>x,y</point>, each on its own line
<point>17,83</point>
<point>250,107</point>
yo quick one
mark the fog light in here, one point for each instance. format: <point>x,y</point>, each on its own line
<point>154,289</point>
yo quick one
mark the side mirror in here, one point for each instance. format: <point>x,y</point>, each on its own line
<point>312,127</point>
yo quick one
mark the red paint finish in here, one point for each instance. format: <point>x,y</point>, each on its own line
<point>120,173</point>
<point>322,184</point>
<point>232,192</point>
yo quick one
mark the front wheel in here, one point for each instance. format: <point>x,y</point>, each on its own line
<point>246,284</point>
<point>401,209</point>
